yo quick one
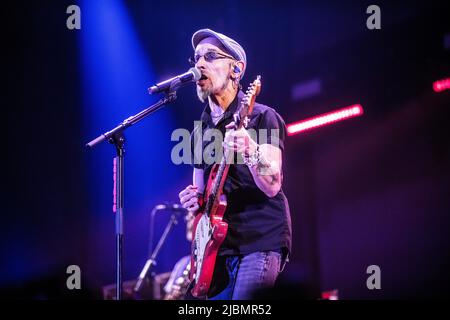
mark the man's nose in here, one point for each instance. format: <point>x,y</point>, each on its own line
<point>200,63</point>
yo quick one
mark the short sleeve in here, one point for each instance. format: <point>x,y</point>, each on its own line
<point>275,126</point>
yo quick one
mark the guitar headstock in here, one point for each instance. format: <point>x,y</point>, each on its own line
<point>247,103</point>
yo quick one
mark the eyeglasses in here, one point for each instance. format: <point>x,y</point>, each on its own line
<point>209,56</point>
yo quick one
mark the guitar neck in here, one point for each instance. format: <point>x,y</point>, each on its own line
<point>217,185</point>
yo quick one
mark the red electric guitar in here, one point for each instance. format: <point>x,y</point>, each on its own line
<point>209,228</point>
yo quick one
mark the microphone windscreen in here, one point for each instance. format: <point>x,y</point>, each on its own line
<point>197,73</point>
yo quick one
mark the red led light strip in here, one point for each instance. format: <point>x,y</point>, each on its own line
<point>441,85</point>
<point>352,111</point>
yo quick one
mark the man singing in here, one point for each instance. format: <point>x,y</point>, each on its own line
<point>258,241</point>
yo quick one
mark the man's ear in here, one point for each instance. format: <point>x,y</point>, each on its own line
<point>238,68</point>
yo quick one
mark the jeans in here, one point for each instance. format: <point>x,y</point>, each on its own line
<point>240,277</point>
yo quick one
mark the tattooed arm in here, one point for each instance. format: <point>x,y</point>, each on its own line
<point>267,173</point>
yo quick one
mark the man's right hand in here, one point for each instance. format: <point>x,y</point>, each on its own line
<point>189,198</point>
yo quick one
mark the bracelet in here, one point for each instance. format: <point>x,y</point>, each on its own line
<point>253,159</point>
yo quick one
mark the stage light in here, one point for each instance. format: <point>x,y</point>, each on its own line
<point>116,72</point>
<point>352,111</point>
<point>441,85</point>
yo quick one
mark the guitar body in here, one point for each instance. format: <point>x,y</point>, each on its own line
<point>209,234</point>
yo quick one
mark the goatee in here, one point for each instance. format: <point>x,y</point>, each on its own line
<point>202,94</point>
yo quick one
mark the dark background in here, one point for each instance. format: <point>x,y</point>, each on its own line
<point>372,190</point>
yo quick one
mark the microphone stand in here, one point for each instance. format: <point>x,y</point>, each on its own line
<point>152,260</point>
<point>116,137</point>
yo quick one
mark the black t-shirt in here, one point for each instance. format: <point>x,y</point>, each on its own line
<point>256,222</point>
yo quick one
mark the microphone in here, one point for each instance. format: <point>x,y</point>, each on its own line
<point>174,83</point>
